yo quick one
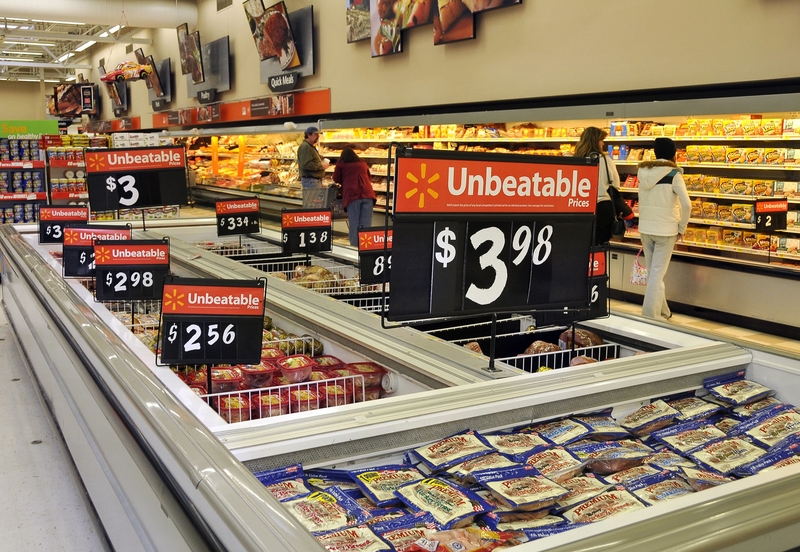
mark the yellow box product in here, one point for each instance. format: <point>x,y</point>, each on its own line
<point>704,153</point>
<point>701,235</point>
<point>734,155</point>
<point>754,156</point>
<point>657,130</point>
<point>762,242</point>
<point>717,127</point>
<point>714,236</point>
<point>743,187</point>
<point>692,154</point>
<point>711,184</point>
<point>726,185</point>
<point>725,213</point>
<point>751,127</point>
<point>683,130</point>
<point>697,209</point>
<point>731,236</point>
<point>693,127</point>
<point>742,212</point>
<point>772,127</point>
<point>710,210</point>
<point>774,156</point>
<point>749,238</point>
<point>762,187</point>
<point>704,127</point>
<point>718,154</point>
<point>688,236</point>
<point>732,127</point>
<point>670,130</point>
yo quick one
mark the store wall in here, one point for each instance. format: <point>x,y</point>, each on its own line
<point>537,49</point>
<point>22,101</point>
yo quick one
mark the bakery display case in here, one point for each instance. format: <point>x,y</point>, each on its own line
<point>211,498</point>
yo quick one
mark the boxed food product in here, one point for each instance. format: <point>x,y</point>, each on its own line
<point>710,209</point>
<point>670,130</point>
<point>792,156</point>
<point>717,127</point>
<point>689,235</point>
<point>763,187</point>
<point>718,154</point>
<point>713,236</point>
<point>619,128</point>
<point>772,127</point>
<point>791,127</point>
<point>327,362</point>
<point>732,127</point>
<point>704,127</point>
<point>726,185</point>
<point>692,154</point>
<point>296,368</point>
<point>266,405</point>
<point>725,213</point>
<point>711,184</point>
<point>743,187</point>
<point>223,380</point>
<point>691,181</point>
<point>692,127</point>
<point>754,156</point>
<point>788,245</point>
<point>697,208</point>
<point>785,189</point>
<point>792,219</point>
<point>734,155</point>
<point>749,238</point>
<point>774,156</point>
<point>373,373</point>
<point>762,242</point>
<point>751,127</point>
<point>704,153</point>
<point>732,237</point>
<point>743,212</point>
<point>258,375</point>
<point>234,408</point>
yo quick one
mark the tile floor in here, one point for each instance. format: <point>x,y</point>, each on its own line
<point>43,504</point>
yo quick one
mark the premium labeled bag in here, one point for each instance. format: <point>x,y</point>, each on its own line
<point>638,272</point>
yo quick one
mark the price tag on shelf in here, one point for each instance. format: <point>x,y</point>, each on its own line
<point>306,230</point>
<point>131,270</point>
<point>374,254</point>
<point>136,178</point>
<point>481,233</point>
<point>771,214</point>
<point>78,249</point>
<point>237,217</point>
<point>53,221</point>
<point>211,321</point>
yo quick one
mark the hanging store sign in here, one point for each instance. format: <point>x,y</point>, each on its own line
<point>480,233</point>
<point>78,250</point>
<point>306,230</point>
<point>237,217</point>
<point>374,255</point>
<point>771,214</point>
<point>130,270</point>
<point>53,221</point>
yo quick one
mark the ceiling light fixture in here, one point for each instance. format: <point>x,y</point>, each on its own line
<point>65,57</point>
<point>29,43</point>
<point>70,78</point>
<point>57,22</point>
<point>21,53</point>
<point>85,45</point>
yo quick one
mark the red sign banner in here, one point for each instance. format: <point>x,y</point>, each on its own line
<point>373,240</point>
<point>84,237</point>
<point>64,213</point>
<point>237,206</point>
<point>126,254</point>
<point>597,264</point>
<point>305,219</point>
<point>139,159</point>
<point>772,206</point>
<point>475,186</point>
<point>213,300</point>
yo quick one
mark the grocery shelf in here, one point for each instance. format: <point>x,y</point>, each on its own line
<point>743,166</point>
<point>734,197</point>
<point>21,164</point>
<point>752,138</point>
<point>69,195</point>
<point>714,222</point>
<point>24,196</point>
<point>64,164</point>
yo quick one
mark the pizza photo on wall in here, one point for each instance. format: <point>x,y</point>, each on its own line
<point>358,27</point>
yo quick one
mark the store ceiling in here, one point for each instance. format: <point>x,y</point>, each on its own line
<point>50,41</point>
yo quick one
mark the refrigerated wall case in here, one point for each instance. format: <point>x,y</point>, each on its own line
<point>166,473</point>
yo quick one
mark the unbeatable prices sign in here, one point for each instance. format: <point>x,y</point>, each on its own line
<point>79,214</point>
<point>306,230</point>
<point>306,219</point>
<point>84,237</point>
<point>375,254</point>
<point>237,206</point>
<point>213,300</point>
<point>240,216</point>
<point>127,254</point>
<point>426,185</point>
<point>120,160</point>
<point>373,240</point>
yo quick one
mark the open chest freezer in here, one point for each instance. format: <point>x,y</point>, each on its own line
<point>209,472</point>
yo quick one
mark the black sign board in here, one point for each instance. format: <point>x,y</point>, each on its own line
<point>159,104</point>
<point>211,321</point>
<point>483,233</point>
<point>374,254</point>
<point>130,270</point>
<point>206,96</point>
<point>238,217</point>
<point>53,221</point>
<point>78,250</point>
<point>284,82</point>
<point>771,214</point>
<point>136,177</point>
<point>173,117</point>
<point>306,230</point>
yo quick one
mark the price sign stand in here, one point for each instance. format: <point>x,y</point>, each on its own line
<point>211,321</point>
<point>238,217</point>
<point>53,221</point>
<point>78,248</point>
<point>306,230</point>
<point>478,233</point>
<point>374,254</point>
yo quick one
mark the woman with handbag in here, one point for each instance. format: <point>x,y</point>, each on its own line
<point>664,209</point>
<point>611,208</point>
<point>358,197</point>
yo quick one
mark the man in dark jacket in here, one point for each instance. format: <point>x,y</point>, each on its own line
<point>312,166</point>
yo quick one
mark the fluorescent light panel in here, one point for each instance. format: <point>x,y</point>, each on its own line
<point>65,57</point>
<point>85,45</point>
<point>57,22</point>
<point>19,53</point>
<point>29,43</point>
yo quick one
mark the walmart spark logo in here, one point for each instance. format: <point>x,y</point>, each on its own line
<point>173,299</point>
<point>365,241</point>
<point>416,180</point>
<point>103,255</point>
<point>70,237</point>
<point>95,162</point>
<point>287,220</point>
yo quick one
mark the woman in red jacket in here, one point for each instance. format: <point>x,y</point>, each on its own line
<point>358,197</point>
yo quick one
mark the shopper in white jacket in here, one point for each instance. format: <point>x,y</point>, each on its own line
<point>664,209</point>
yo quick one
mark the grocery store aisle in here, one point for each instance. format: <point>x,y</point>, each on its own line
<point>43,504</point>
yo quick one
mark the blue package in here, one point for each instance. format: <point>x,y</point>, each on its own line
<point>771,427</point>
<point>284,483</point>
<point>556,463</point>
<point>321,479</point>
<point>518,446</point>
<point>773,459</point>
<point>380,483</point>
<point>581,489</point>
<point>381,515</point>
<point>560,432</point>
<point>451,505</point>
<point>611,456</point>
<point>686,437</point>
<point>649,418</point>
<point>354,538</point>
<point>692,407</point>
<point>519,521</point>
<point>653,489</point>
<point>734,389</point>
<point>700,480</point>
<point>453,450</point>
<point>403,531</point>
<point>326,511</point>
<point>543,532</point>
<point>522,488</point>
<point>603,427</point>
<point>727,455</point>
<point>665,459</point>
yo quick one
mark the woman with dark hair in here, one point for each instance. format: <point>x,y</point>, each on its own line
<point>591,141</point>
<point>358,197</point>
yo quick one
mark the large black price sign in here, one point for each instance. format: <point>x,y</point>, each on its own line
<point>211,321</point>
<point>53,221</point>
<point>130,270</point>
<point>479,233</point>
<point>306,230</point>
<point>374,254</point>
<point>771,214</point>
<point>237,217</point>
<point>135,178</point>
<point>78,249</point>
